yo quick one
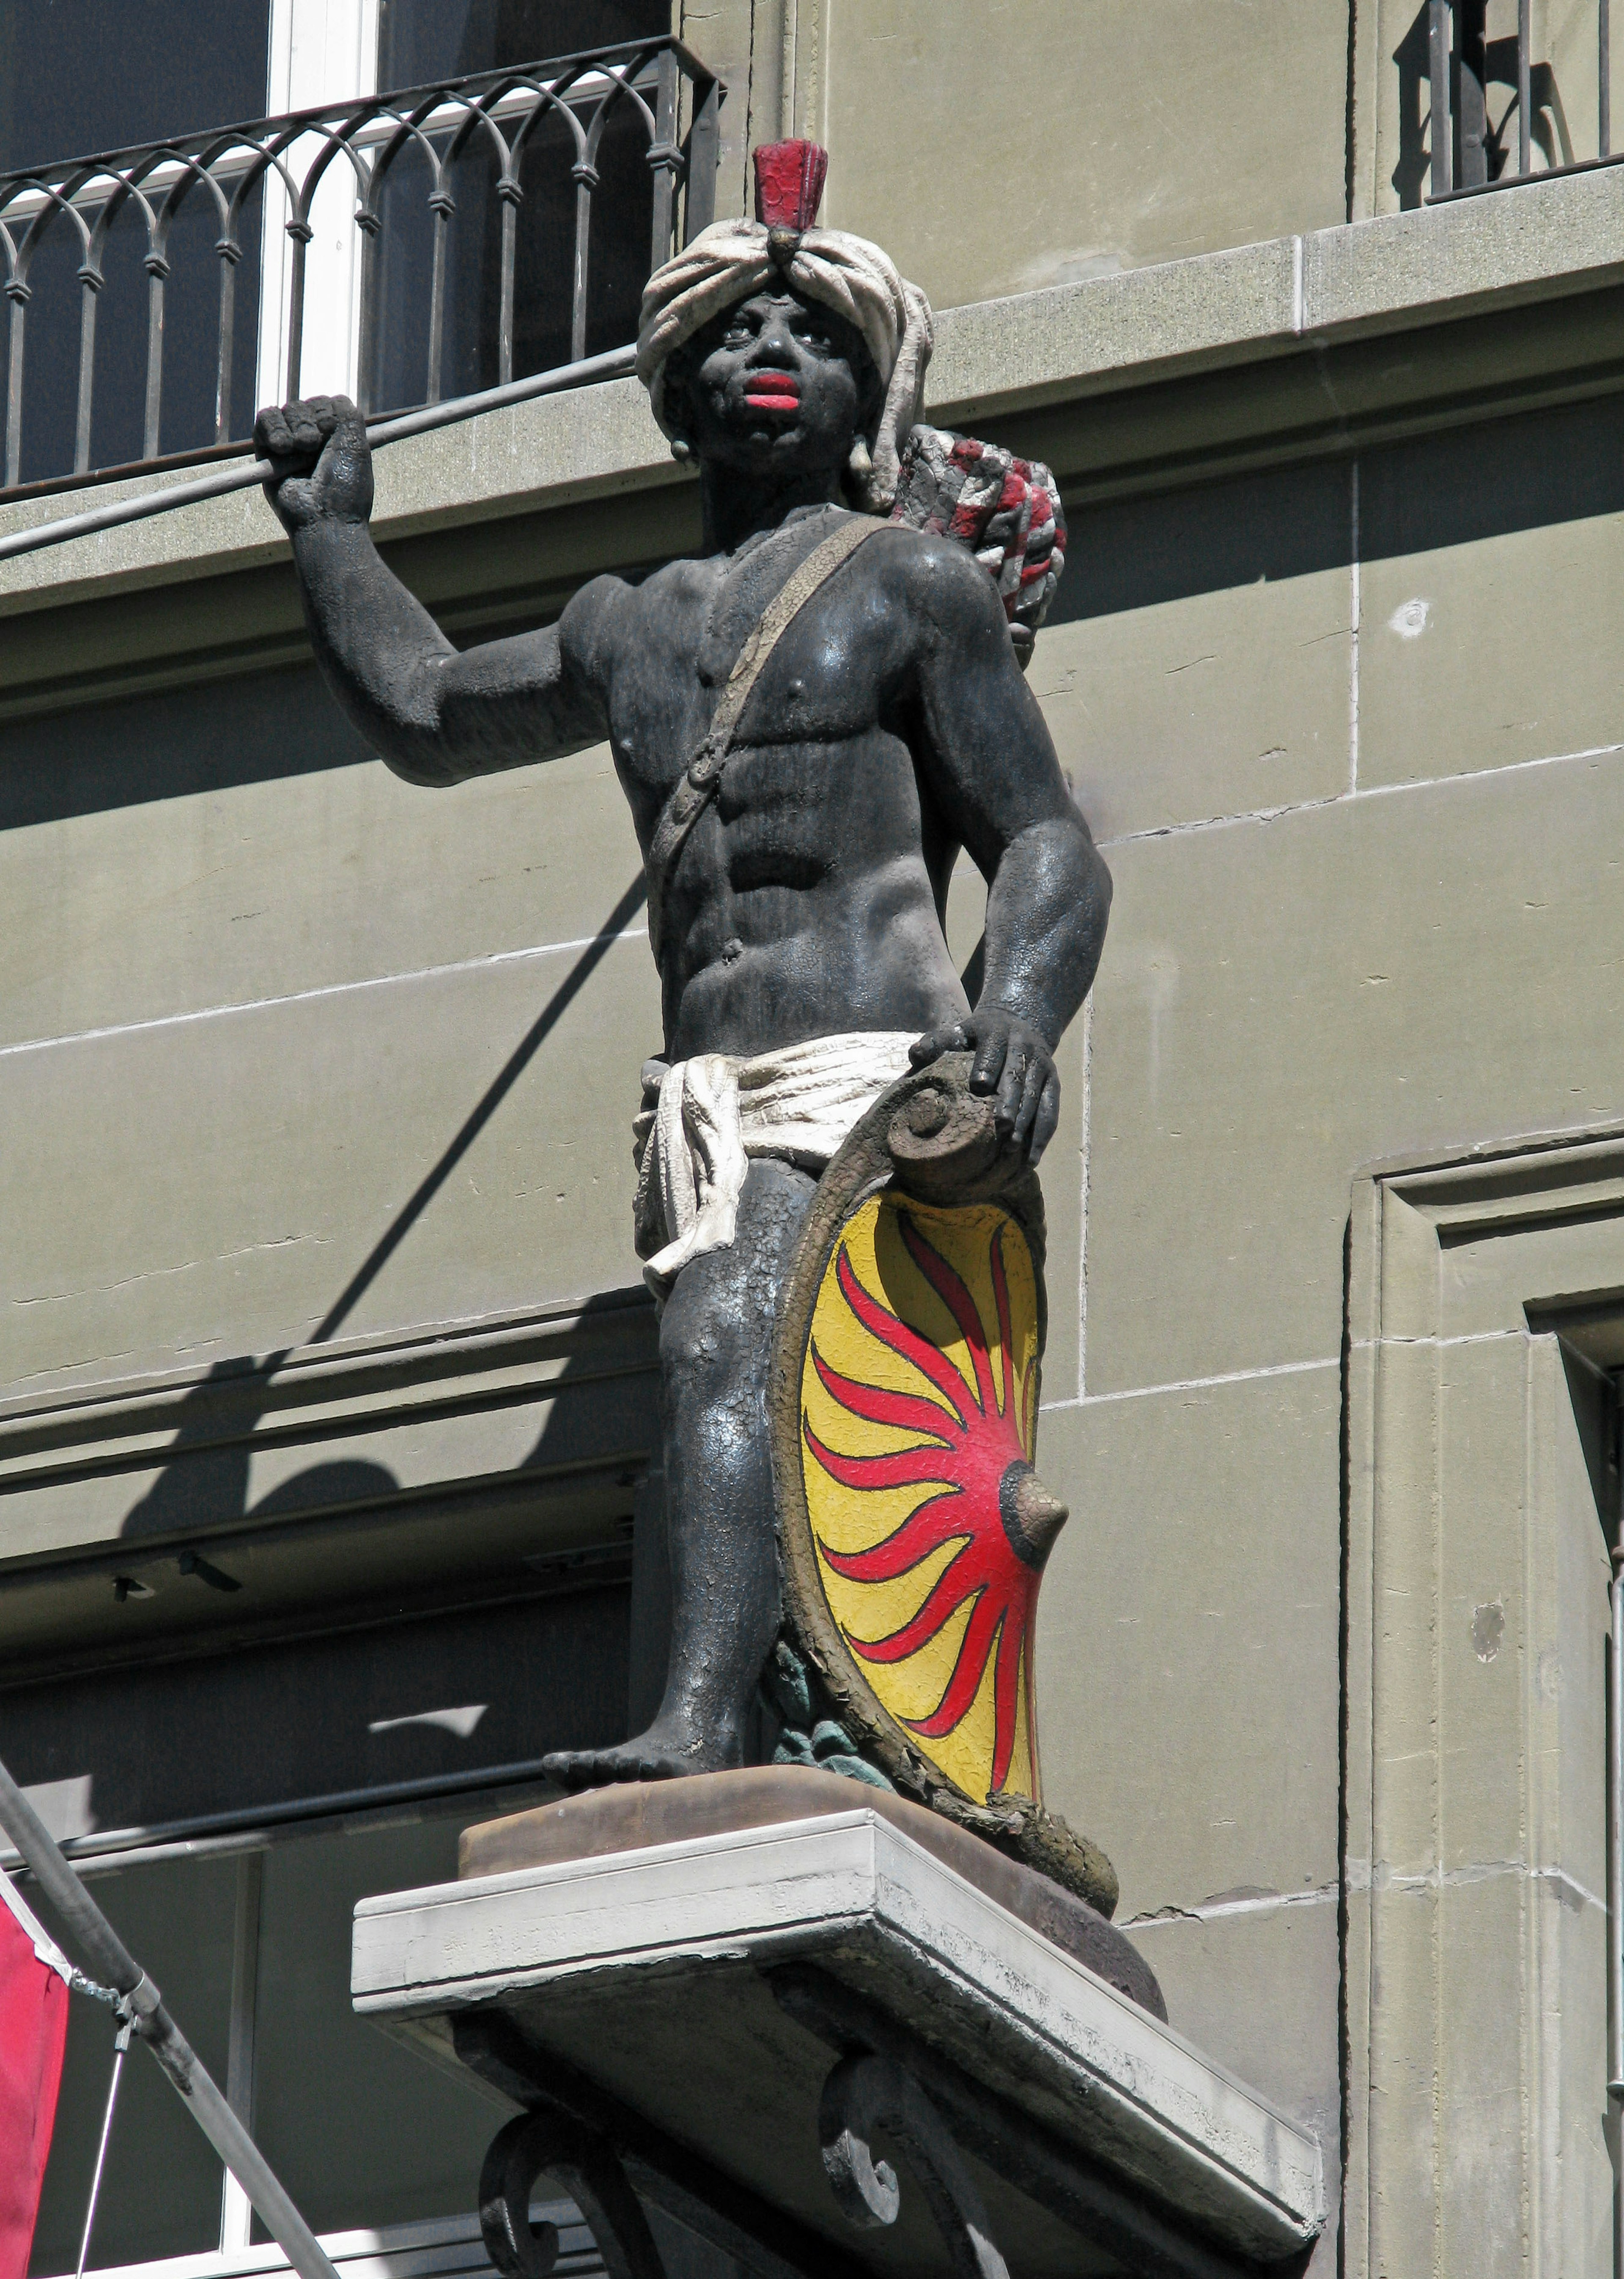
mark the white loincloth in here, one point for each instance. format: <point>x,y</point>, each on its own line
<point>702,1119</point>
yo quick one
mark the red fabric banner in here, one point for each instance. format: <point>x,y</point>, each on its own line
<point>33,2007</point>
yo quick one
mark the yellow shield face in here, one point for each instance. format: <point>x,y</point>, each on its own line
<point>919,1403</point>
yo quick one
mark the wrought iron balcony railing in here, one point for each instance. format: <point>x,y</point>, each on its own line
<point>1470,58</point>
<point>401,248</point>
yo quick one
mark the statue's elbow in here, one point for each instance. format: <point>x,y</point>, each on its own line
<point>426,765</point>
<point>1091,876</point>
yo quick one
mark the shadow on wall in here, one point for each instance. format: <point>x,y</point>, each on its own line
<point>205,1483</point>
<point>1528,470</point>
<point>174,744</point>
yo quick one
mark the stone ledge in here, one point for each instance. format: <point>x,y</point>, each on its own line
<point>361,1464</point>
<point>1395,272</point>
<point>643,1970</point>
<point>1390,274</point>
<point>1258,355</point>
<point>592,441</point>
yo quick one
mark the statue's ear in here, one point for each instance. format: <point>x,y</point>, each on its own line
<point>871,392</point>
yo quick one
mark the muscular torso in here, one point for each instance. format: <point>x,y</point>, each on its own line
<point>807,899</point>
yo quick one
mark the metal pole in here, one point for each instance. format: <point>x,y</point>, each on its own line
<point>612,364</point>
<point>1615,1890</point>
<point>1525,124</point>
<point>111,1960</point>
<point>120,2048</point>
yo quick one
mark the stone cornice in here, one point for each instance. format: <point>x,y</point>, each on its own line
<point>331,1472</point>
<point>1191,368</point>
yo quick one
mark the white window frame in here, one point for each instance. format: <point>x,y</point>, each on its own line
<point>404,2251</point>
<point>321,52</point>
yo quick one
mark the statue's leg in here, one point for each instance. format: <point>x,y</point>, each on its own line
<point>715,1344</point>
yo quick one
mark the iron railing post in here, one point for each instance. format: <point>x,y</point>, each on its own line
<point>90,285</point>
<point>1604,77</point>
<point>699,205</point>
<point>230,254</point>
<point>17,294</point>
<point>1441,132</point>
<point>1525,124</point>
<point>157,272</point>
<point>664,162</point>
<point>510,194</point>
<point>442,206</point>
<point>300,233</point>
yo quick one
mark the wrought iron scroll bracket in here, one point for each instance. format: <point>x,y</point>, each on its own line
<point>864,2094</point>
<point>588,2167</point>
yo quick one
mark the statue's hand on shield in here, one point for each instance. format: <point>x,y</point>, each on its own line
<point>1014,1061</point>
<point>323,461</point>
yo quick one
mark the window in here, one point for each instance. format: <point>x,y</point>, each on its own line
<point>229,1807</point>
<point>252,1953</point>
<point>422,40</point>
<point>154,304</point>
<point>92,75</point>
<point>379,2148</point>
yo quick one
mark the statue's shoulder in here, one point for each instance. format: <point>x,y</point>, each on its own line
<point>935,579</point>
<point>609,614</point>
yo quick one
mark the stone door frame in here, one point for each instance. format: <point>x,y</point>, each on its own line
<point>1481,1287</point>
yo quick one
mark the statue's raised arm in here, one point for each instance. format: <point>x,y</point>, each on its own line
<point>435,714</point>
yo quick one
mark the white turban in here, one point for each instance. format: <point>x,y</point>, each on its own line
<point>730,261</point>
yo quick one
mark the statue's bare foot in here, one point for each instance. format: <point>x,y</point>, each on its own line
<point>663,1753</point>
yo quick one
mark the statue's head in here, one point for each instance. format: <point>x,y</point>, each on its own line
<point>774,348</point>
<point>777,385</point>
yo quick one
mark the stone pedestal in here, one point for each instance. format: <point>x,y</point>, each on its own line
<point>769,2007</point>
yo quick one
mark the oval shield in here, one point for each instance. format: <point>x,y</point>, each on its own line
<point>919,1397</point>
<point>905,1381</point>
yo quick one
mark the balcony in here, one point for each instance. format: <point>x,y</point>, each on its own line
<point>404,248</point>
<point>1498,113</point>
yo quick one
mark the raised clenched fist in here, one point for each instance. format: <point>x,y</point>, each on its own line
<point>323,461</point>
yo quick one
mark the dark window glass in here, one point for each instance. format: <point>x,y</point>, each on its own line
<point>420,41</point>
<point>161,2190</point>
<point>81,76</point>
<point>423,41</point>
<point>360,2128</point>
<point>89,75</point>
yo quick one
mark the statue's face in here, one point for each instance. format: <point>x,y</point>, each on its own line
<point>778,386</point>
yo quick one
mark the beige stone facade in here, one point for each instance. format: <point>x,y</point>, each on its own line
<point>317,1086</point>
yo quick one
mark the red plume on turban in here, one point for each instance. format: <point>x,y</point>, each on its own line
<point>789,182</point>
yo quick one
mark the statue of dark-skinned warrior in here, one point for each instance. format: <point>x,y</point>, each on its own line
<point>809,719</point>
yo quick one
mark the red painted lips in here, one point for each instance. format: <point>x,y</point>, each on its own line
<point>772,391</point>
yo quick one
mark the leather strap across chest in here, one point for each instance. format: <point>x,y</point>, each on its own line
<point>702,779</point>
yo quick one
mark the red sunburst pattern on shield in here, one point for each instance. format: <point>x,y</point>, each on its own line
<point>964,1452</point>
